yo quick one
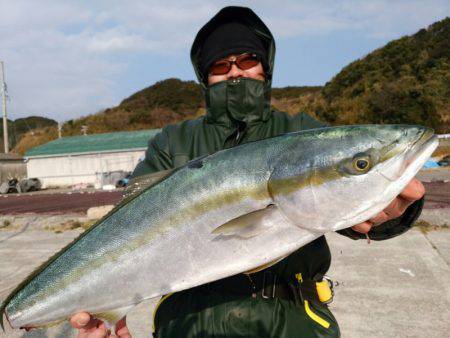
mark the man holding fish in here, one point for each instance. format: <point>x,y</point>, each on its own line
<point>233,57</point>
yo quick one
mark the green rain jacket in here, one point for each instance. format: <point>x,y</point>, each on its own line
<point>238,112</point>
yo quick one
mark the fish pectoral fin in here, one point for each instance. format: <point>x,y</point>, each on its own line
<point>248,225</point>
<point>111,317</point>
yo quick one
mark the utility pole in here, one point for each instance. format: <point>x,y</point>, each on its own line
<point>59,129</point>
<point>5,120</point>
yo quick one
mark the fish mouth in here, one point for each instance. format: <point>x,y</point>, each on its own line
<point>425,144</point>
<point>426,137</point>
<point>413,157</point>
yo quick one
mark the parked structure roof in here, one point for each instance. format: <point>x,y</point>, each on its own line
<point>10,157</point>
<point>124,140</point>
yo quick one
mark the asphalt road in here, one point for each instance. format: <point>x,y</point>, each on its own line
<point>394,288</point>
<point>56,203</point>
<point>437,195</point>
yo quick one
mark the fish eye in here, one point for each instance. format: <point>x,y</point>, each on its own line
<point>361,164</point>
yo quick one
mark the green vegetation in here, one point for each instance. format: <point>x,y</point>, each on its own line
<point>167,101</point>
<point>19,127</point>
<point>406,81</point>
<point>292,92</point>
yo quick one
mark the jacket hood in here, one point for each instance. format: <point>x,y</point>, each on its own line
<point>239,100</point>
<point>242,15</point>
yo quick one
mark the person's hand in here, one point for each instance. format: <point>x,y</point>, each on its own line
<point>89,327</point>
<point>413,191</point>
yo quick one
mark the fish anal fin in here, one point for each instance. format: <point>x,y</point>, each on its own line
<point>111,317</point>
<point>43,326</point>
<point>265,266</point>
<point>248,225</point>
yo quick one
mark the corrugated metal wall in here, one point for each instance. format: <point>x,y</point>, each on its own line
<point>76,169</point>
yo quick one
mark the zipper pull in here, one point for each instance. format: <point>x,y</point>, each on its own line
<point>240,128</point>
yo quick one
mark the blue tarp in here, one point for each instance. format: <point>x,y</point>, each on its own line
<point>431,164</point>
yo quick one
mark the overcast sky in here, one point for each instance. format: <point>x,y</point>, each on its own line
<point>66,59</point>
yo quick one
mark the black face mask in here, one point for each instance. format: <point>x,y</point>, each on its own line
<point>242,99</point>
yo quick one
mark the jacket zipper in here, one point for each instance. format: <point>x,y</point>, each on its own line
<point>241,126</point>
<point>235,137</point>
<point>238,134</point>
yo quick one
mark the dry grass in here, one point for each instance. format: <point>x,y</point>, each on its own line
<point>425,227</point>
<point>35,138</point>
<point>6,223</point>
<point>69,225</point>
<point>441,152</point>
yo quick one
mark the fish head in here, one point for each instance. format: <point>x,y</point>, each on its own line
<point>334,178</point>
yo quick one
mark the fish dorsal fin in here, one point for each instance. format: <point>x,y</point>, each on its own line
<point>248,225</point>
<point>139,183</point>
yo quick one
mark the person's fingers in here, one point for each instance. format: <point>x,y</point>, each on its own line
<point>363,227</point>
<point>92,325</point>
<point>397,207</point>
<point>413,191</point>
<point>88,327</point>
<point>80,320</point>
<point>96,333</point>
<point>123,333</point>
<point>103,330</point>
<point>122,329</point>
<point>379,219</point>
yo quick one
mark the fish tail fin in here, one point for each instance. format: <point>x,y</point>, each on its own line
<point>3,314</point>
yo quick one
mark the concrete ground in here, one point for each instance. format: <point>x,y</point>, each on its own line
<point>395,288</point>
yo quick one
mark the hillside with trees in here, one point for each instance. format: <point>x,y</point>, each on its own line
<point>18,128</point>
<point>406,81</point>
<point>164,102</point>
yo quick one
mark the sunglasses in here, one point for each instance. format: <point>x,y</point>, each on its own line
<point>243,61</point>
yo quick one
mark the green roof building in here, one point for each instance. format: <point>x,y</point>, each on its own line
<point>96,143</point>
<point>87,159</point>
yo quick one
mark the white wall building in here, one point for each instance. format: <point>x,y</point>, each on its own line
<point>83,159</point>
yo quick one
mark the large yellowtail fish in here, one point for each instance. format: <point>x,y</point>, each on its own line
<point>220,215</point>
